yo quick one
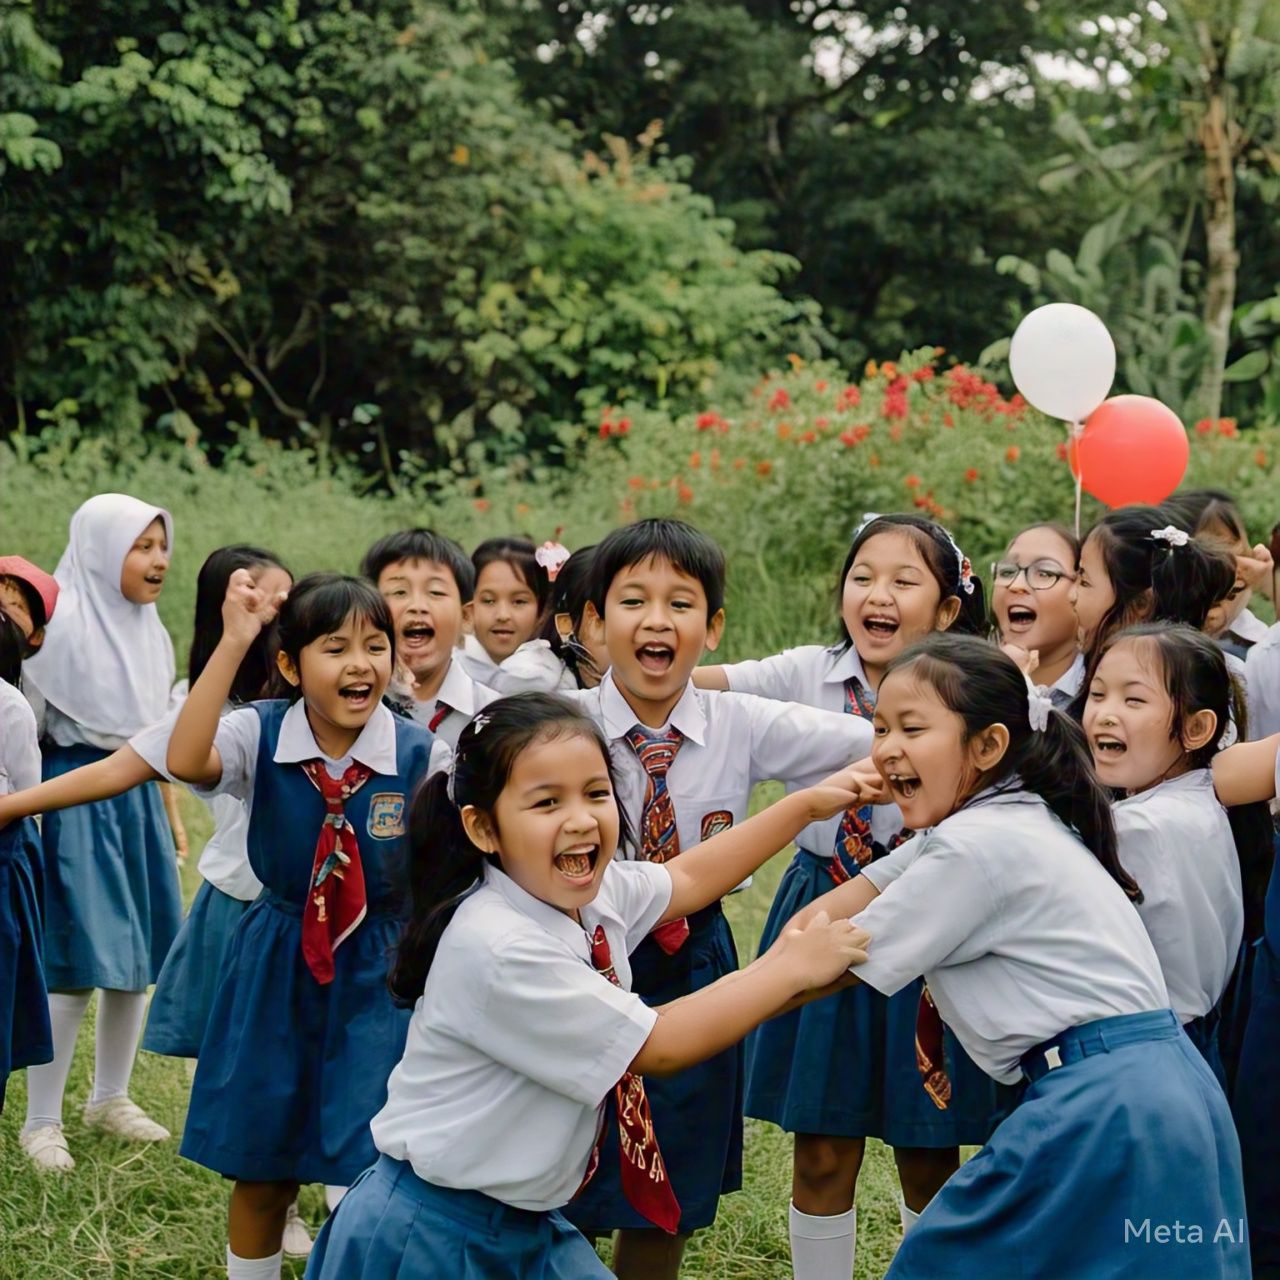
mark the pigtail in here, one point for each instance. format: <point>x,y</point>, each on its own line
<point>444,866</point>
<point>1188,579</point>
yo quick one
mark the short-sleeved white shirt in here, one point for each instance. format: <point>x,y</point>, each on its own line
<point>19,746</point>
<point>1175,841</point>
<point>517,1040</point>
<point>815,676</point>
<point>534,668</point>
<point>463,696</point>
<point>731,742</point>
<point>1016,927</point>
<point>1063,691</point>
<point>1262,678</point>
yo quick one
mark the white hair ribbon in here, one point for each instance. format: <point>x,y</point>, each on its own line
<point>1174,537</point>
<point>1039,704</point>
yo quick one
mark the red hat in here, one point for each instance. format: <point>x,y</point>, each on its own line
<point>35,577</point>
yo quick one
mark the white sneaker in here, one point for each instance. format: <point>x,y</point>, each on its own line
<point>46,1148</point>
<point>124,1118</point>
<point>297,1239</point>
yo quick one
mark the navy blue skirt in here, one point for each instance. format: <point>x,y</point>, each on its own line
<point>112,900</point>
<point>697,1113</point>
<point>1203,1033</point>
<point>180,1005</point>
<point>1107,1158</point>
<point>845,1066</point>
<point>25,1039</point>
<point>392,1223</point>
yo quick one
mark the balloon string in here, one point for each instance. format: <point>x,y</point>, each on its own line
<point>1075,430</point>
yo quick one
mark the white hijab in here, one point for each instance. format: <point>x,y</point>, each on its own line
<point>105,662</point>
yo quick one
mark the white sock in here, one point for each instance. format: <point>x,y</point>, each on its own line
<point>909,1216</point>
<point>333,1196</point>
<point>254,1268</point>
<point>46,1084</point>
<point>120,1015</point>
<point>822,1247</point>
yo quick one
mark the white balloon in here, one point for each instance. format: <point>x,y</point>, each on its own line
<point>1063,360</point>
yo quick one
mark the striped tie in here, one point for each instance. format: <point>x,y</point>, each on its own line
<point>854,847</point>
<point>659,839</point>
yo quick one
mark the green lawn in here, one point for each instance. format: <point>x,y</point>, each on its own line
<point>142,1211</point>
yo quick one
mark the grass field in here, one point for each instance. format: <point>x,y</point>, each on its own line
<point>131,1212</point>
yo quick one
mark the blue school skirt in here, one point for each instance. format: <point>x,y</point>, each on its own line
<point>1122,1162</point>
<point>112,901</point>
<point>290,1073</point>
<point>392,1223</point>
<point>845,1066</point>
<point>25,1039</point>
<point>697,1113</point>
<point>188,981</point>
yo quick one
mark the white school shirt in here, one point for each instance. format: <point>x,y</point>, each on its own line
<point>731,742</point>
<point>224,861</point>
<point>1015,926</point>
<point>1063,691</point>
<point>19,743</point>
<point>1262,673</point>
<point>475,658</point>
<point>815,675</point>
<point>462,694</point>
<point>534,668</point>
<point>517,1040</point>
<point>1247,629</point>
<point>1175,841</point>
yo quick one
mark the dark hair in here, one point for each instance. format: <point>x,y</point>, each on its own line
<point>984,687</point>
<point>444,865</point>
<point>940,553</point>
<point>521,555</point>
<point>13,645</point>
<point>319,604</point>
<point>421,544</point>
<point>1194,671</point>
<point>1059,530</point>
<point>257,667</point>
<point>1195,510</point>
<point>1166,583</point>
<point>35,602</point>
<point>686,549</point>
<point>570,593</point>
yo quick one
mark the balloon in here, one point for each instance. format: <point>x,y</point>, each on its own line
<point>1133,449</point>
<point>1063,360</point>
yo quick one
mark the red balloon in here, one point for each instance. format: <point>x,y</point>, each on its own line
<point>1133,449</point>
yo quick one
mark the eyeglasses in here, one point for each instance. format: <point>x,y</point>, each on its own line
<point>1040,576</point>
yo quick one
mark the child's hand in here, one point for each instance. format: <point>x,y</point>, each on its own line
<point>246,609</point>
<point>1256,569</point>
<point>1028,660</point>
<point>850,788</point>
<point>822,950</point>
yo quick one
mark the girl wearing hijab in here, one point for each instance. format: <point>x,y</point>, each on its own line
<point>112,900</point>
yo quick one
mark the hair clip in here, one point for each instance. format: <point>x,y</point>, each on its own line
<point>1039,704</point>
<point>867,518</point>
<point>1174,537</point>
<point>478,723</point>
<point>551,556</point>
<point>451,785</point>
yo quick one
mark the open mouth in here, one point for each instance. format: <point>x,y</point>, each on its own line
<point>656,659</point>
<point>1021,618</point>
<point>357,695</point>
<point>880,627</point>
<point>154,579</point>
<point>1104,745</point>
<point>904,785</point>
<point>417,635</point>
<point>577,864</point>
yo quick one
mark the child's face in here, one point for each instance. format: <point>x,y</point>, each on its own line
<point>426,609</point>
<point>1091,594</point>
<point>556,821</point>
<point>921,751</point>
<point>14,602</point>
<point>1128,719</point>
<point>144,569</point>
<point>343,677</point>
<point>655,630</point>
<point>504,613</point>
<point>1226,611</point>
<point>1037,616</point>
<point>891,598</point>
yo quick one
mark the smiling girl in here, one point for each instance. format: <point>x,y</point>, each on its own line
<point>1014,906</point>
<point>511,597</point>
<point>840,1071</point>
<point>302,1033</point>
<point>516,962</point>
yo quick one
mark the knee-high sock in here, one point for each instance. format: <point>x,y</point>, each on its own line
<point>46,1084</point>
<point>822,1247</point>
<point>253,1268</point>
<point>120,1015</point>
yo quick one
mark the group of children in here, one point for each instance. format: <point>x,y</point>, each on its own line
<point>459,952</point>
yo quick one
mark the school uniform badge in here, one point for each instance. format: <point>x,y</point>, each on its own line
<point>386,815</point>
<point>715,822</point>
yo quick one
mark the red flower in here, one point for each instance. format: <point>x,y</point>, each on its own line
<point>1062,451</point>
<point>1227,427</point>
<point>849,438</point>
<point>683,493</point>
<point>948,420</point>
<point>1012,453</point>
<point>784,431</point>
<point>636,482</point>
<point>808,437</point>
<point>912,482</point>
<point>707,420</point>
<point>923,375</point>
<point>624,425</point>
<point>849,398</point>
<point>739,463</point>
<point>780,399</point>
<point>820,386</point>
<point>822,423</point>
<point>1260,457</point>
<point>764,468</point>
<point>889,370</point>
<point>1204,427</point>
<point>606,429</point>
<point>921,502</point>
<point>481,504</point>
<point>695,459</point>
<point>971,475</point>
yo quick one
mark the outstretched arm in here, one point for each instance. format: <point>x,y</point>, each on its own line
<point>1246,773</point>
<point>111,776</point>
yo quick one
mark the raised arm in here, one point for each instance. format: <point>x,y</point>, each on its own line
<point>1246,773</point>
<point>111,776</point>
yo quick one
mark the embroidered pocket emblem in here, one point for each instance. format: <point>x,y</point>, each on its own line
<point>386,815</point>
<point>716,822</point>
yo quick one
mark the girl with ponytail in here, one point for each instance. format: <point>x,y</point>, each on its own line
<point>1013,905</point>
<point>525,1039</point>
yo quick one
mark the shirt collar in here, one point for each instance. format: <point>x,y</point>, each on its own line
<point>375,748</point>
<point>1192,780</point>
<point>619,719</point>
<point>846,665</point>
<point>554,921</point>
<point>1072,678</point>
<point>458,690</point>
<point>1248,627</point>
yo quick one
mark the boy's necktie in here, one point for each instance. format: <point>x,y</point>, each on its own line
<point>644,1174</point>
<point>336,901</point>
<point>659,839</point>
<point>929,1059</point>
<point>854,846</point>
<point>438,716</point>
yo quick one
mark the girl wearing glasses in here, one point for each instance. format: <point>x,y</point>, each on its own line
<point>1031,605</point>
